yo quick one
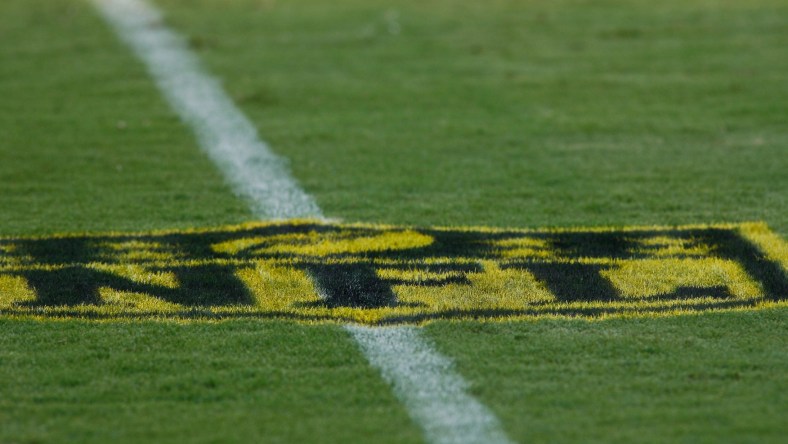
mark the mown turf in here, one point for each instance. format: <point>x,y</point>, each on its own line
<point>711,378</point>
<point>163,382</point>
<point>515,113</point>
<point>521,113</point>
<point>87,142</point>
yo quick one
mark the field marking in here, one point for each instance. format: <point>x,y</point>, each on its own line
<point>223,131</point>
<point>261,176</point>
<point>384,275</point>
<point>425,381</point>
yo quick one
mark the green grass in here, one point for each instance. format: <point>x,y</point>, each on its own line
<point>711,378</point>
<point>164,382</point>
<point>87,141</point>
<point>515,113</point>
<point>494,113</point>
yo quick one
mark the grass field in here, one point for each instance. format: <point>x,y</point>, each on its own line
<point>504,113</point>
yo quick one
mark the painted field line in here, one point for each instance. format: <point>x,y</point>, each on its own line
<point>433,393</point>
<point>427,384</point>
<point>223,131</point>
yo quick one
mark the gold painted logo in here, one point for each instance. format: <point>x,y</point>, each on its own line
<point>313,271</point>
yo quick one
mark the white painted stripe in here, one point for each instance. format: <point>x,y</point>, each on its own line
<point>231,141</point>
<point>427,384</point>
<point>422,378</point>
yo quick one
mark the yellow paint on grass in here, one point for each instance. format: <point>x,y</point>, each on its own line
<point>665,246</point>
<point>314,271</point>
<point>138,273</point>
<point>129,302</point>
<point>773,247</point>
<point>316,243</point>
<point>278,288</point>
<point>655,277</point>
<point>14,290</point>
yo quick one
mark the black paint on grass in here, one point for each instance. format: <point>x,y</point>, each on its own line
<point>62,271</point>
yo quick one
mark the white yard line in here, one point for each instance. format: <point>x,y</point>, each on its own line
<point>423,379</point>
<point>223,131</point>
